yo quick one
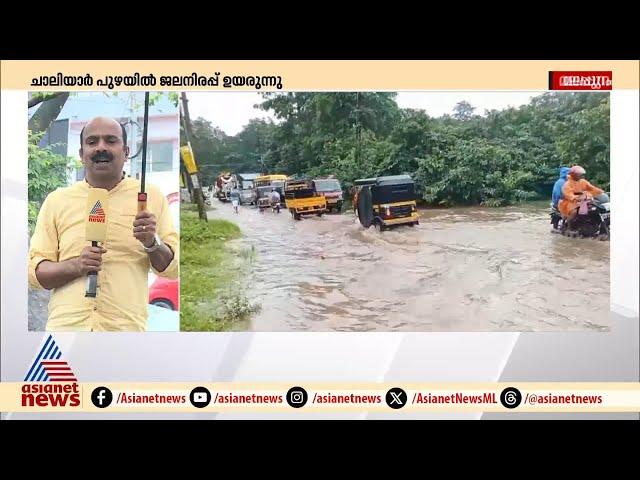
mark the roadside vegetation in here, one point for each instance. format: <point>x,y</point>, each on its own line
<point>211,293</point>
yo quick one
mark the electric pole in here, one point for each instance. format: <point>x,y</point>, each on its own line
<point>358,128</point>
<point>190,161</point>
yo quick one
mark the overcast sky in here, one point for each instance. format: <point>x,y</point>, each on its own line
<point>231,111</point>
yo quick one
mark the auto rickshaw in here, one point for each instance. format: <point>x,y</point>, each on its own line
<point>302,198</point>
<point>386,201</point>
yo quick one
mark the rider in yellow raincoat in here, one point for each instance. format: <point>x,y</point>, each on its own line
<point>572,192</point>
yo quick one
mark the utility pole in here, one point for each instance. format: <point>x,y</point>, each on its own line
<point>133,136</point>
<point>358,129</point>
<point>264,168</point>
<point>259,148</point>
<point>189,159</point>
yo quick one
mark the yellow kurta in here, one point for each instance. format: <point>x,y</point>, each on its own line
<point>122,295</point>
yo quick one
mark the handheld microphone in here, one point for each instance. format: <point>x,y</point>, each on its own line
<point>96,229</point>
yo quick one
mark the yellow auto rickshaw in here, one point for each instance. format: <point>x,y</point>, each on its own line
<point>302,198</point>
<point>386,201</point>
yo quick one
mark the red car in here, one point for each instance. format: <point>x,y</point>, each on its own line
<point>164,292</point>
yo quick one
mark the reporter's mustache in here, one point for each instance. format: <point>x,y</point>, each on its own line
<point>100,156</point>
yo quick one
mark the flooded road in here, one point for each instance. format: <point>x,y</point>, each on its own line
<point>461,269</point>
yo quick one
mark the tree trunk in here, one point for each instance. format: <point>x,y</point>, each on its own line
<point>47,112</point>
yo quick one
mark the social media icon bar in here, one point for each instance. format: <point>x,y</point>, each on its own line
<point>510,397</point>
<point>200,397</point>
<point>101,397</point>
<point>297,397</point>
<point>396,398</point>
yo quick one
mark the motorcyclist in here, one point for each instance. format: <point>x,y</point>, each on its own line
<point>575,190</point>
<point>274,197</point>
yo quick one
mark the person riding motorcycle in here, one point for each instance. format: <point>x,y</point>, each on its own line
<point>274,197</point>
<point>574,191</point>
<point>556,196</point>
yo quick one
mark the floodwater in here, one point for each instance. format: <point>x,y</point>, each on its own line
<point>461,269</point>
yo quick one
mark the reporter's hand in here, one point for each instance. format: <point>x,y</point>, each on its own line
<point>90,260</point>
<point>144,228</point>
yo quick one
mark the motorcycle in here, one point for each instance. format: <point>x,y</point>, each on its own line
<point>593,219</point>
<point>275,207</point>
<point>556,219</point>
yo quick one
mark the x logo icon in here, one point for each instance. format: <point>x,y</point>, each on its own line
<point>395,398</point>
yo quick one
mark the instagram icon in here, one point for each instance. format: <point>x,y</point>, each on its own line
<point>297,397</point>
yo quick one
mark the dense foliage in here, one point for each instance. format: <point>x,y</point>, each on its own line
<point>465,158</point>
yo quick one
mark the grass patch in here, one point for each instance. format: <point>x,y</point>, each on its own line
<point>188,207</point>
<point>211,297</point>
<point>192,208</point>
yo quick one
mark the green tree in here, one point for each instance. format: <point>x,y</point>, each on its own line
<point>502,157</point>
<point>210,148</point>
<point>47,171</point>
<point>463,111</point>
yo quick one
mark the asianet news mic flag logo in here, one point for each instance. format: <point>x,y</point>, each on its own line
<point>49,366</point>
<point>97,213</point>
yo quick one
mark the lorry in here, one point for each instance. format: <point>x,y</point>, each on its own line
<point>330,188</point>
<point>224,184</point>
<point>247,187</point>
<point>264,184</point>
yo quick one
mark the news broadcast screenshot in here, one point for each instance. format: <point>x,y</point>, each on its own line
<point>320,239</point>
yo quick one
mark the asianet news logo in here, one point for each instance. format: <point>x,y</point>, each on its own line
<point>580,80</point>
<point>48,366</point>
<point>97,213</point>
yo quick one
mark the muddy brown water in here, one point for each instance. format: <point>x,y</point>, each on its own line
<point>461,269</point>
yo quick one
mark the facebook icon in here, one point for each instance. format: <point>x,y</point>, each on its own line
<point>101,397</point>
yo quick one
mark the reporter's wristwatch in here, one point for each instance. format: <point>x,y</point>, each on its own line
<point>157,243</point>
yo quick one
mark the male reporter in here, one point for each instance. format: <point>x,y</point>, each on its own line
<point>60,257</point>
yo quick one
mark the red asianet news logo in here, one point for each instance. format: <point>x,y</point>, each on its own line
<point>580,80</point>
<point>49,367</point>
<point>50,395</point>
<point>97,213</point>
